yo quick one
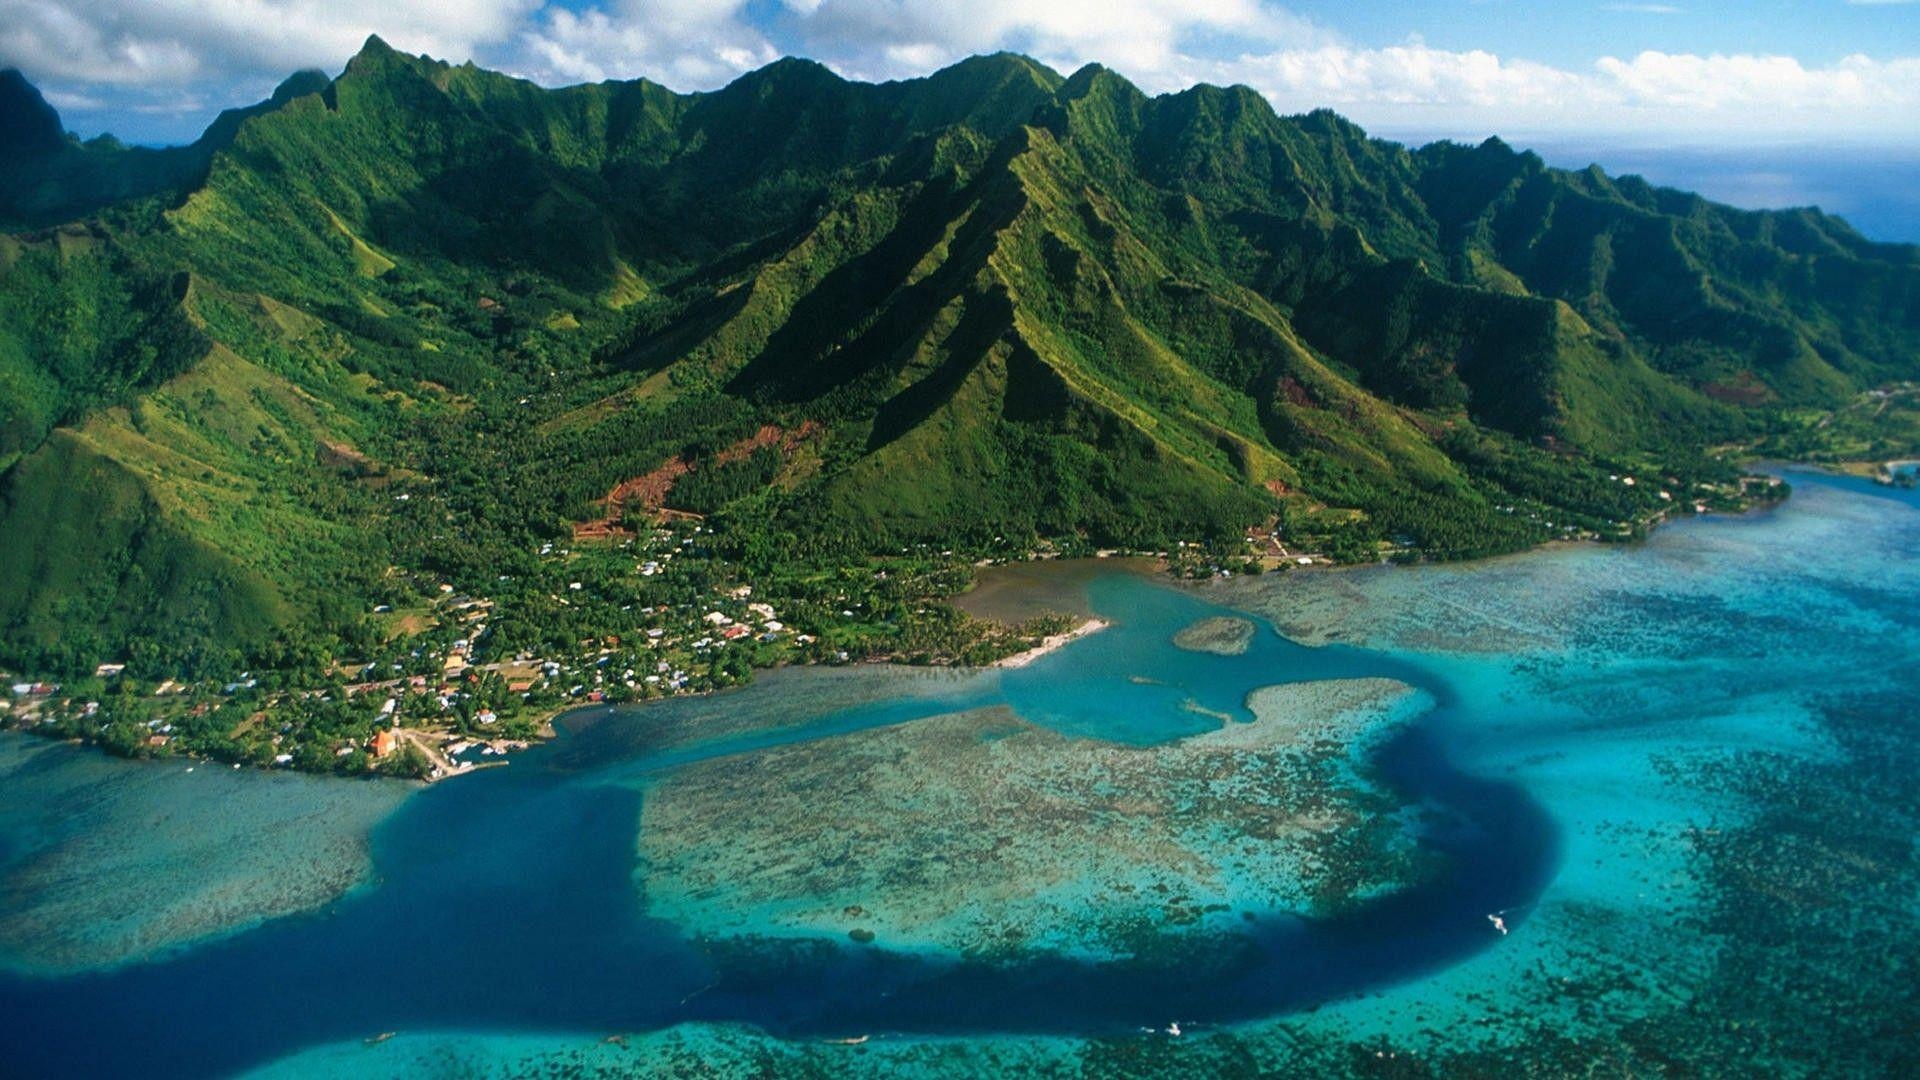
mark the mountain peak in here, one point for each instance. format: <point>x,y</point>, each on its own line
<point>300,84</point>
<point>28,125</point>
<point>376,55</point>
<point>799,67</point>
<point>226,126</point>
<point>1170,313</point>
<point>1085,77</point>
<point>1000,65</point>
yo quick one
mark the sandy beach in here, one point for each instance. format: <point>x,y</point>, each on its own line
<point>1050,643</point>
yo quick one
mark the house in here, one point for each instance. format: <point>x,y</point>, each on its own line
<point>735,632</point>
<point>108,671</point>
<point>384,741</point>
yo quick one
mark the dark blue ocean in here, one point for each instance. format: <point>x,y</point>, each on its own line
<point>1871,187</point>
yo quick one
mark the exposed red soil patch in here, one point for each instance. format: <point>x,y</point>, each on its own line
<point>769,435</point>
<point>649,493</point>
<point>1295,393</point>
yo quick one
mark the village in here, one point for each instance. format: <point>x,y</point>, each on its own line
<point>463,678</point>
<point>466,680</point>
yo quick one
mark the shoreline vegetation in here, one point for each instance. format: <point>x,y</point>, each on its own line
<point>1051,643</point>
<point>460,714</point>
<point>333,454</point>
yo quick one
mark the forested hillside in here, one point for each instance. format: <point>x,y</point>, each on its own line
<point>408,326</point>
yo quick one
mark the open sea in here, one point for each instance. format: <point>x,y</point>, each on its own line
<point>1649,805</point>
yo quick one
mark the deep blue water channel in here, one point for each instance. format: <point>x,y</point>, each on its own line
<point>506,901</point>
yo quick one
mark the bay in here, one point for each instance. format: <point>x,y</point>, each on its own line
<point>1590,746</point>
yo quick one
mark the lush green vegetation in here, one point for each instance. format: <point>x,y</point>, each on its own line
<point>418,326</point>
<point>1878,426</point>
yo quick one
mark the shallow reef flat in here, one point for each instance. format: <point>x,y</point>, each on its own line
<point>1631,598</point>
<point>977,833</point>
<point>1221,635</point>
<point>725,1050</point>
<point>687,1050</point>
<point>780,705</point>
<point>1722,724</point>
<point>1668,830</point>
<point>1754,917</point>
<point>1717,720</point>
<point>113,862</point>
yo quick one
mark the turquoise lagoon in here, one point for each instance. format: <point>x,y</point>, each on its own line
<point>1679,775</point>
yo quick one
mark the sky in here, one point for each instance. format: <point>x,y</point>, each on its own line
<point>1698,77</point>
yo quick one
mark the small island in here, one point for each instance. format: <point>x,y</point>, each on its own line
<point>1221,635</point>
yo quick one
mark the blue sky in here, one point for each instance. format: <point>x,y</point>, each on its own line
<point>1674,73</point>
<point>1571,35</point>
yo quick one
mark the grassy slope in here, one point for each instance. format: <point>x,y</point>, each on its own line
<point>1009,302</point>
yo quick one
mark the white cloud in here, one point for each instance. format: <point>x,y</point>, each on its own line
<point>1726,83</point>
<point>691,44</point>
<point>1148,39</point>
<point>1417,88</point>
<point>177,42</point>
<point>688,44</point>
<point>1412,87</point>
<point>137,54</point>
<point>1399,75</point>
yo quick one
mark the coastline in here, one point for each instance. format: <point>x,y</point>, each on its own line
<point>443,767</point>
<point>1631,833</point>
<point>1050,644</point>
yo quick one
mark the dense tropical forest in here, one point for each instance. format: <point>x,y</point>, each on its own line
<point>424,333</point>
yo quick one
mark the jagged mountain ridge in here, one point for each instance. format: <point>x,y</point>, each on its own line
<point>1008,301</point>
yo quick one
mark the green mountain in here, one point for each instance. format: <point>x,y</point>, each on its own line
<point>410,323</point>
<point>47,177</point>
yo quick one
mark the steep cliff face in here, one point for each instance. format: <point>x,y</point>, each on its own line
<point>998,300</point>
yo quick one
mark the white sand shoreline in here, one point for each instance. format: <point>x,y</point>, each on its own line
<point>1050,643</point>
